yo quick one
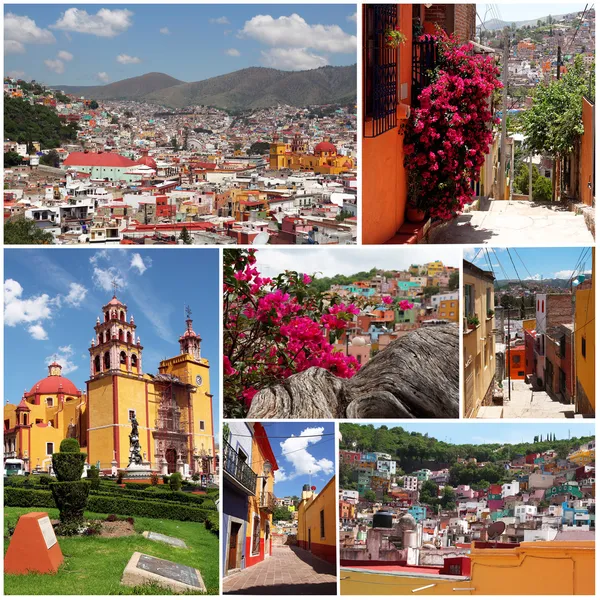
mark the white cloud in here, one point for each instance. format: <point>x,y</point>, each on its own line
<point>97,256</point>
<point>63,357</point>
<point>38,332</point>
<point>19,31</point>
<point>103,76</point>
<point>58,66</point>
<point>137,262</point>
<point>13,47</point>
<point>16,74</point>
<point>76,295</point>
<point>125,59</point>
<point>220,21</point>
<point>232,52</point>
<point>292,59</point>
<point>536,277</point>
<point>280,475</point>
<point>351,18</point>
<point>64,55</point>
<point>105,23</point>
<point>103,278</point>
<point>295,452</point>
<point>295,32</point>
<point>18,310</point>
<point>165,31</point>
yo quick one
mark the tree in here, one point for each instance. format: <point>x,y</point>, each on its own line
<point>281,513</point>
<point>453,280</point>
<point>259,148</point>
<point>20,230</point>
<point>429,493</point>
<point>448,500</point>
<point>542,190</point>
<point>431,290</point>
<point>522,178</point>
<point>370,496</point>
<point>185,237</point>
<point>174,143</point>
<point>51,159</point>
<point>12,159</point>
<point>237,146</point>
<point>94,105</point>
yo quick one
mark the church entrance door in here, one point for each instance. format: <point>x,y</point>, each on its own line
<point>171,458</point>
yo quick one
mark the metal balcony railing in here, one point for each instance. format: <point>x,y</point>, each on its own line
<point>267,501</point>
<point>238,470</point>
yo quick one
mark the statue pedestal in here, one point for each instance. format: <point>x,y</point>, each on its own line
<point>141,473</point>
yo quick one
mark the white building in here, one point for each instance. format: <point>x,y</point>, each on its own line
<point>510,489</point>
<point>411,483</point>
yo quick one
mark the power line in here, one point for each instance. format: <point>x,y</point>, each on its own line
<point>578,26</point>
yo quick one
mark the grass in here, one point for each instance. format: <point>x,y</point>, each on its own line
<point>94,565</point>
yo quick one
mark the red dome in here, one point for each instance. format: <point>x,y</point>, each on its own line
<point>54,384</point>
<point>325,147</point>
<point>148,161</point>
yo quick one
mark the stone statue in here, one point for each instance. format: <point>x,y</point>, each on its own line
<point>135,456</point>
<point>71,430</point>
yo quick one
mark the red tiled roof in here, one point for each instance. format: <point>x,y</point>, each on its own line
<point>94,159</point>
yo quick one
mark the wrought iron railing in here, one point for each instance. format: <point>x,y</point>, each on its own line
<point>238,469</point>
<point>267,502</point>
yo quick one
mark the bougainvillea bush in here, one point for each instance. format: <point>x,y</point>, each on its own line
<point>274,328</point>
<point>449,134</point>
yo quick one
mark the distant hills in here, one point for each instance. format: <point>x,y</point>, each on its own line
<point>495,24</point>
<point>534,283</point>
<point>254,87</point>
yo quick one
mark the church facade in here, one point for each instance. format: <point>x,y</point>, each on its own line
<point>173,407</point>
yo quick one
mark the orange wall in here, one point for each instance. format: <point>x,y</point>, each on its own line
<point>384,178</point>
<point>515,368</point>
<point>586,172</point>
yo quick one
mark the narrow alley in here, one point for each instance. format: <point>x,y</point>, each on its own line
<point>512,223</point>
<point>290,570</point>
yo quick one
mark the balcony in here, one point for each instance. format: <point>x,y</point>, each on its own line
<point>267,502</point>
<point>238,471</point>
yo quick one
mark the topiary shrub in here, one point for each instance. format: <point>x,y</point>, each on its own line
<point>94,477</point>
<point>175,481</point>
<point>70,492</point>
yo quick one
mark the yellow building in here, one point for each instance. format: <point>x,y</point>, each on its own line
<point>434,268</point>
<point>241,203</point>
<point>585,345</point>
<point>533,568</point>
<point>585,455</point>
<point>173,408</point>
<point>324,160</point>
<point>262,504</point>
<point>317,521</point>
<point>478,338</point>
<point>448,309</point>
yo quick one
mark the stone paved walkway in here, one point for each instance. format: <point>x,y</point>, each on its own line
<point>290,570</point>
<point>515,223</point>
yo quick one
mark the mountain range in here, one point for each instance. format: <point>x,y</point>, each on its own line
<point>496,24</point>
<point>254,87</point>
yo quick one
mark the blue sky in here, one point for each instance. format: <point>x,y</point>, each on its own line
<point>494,433</point>
<point>518,11</point>
<point>300,448</point>
<point>94,44</point>
<point>52,298</point>
<point>532,263</point>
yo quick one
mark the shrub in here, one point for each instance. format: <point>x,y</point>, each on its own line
<point>136,486</point>
<point>212,523</point>
<point>195,477</point>
<point>175,481</point>
<point>154,478</point>
<point>112,518</point>
<point>17,496</point>
<point>45,480</point>
<point>165,479</point>
<point>94,477</point>
<point>69,445</point>
<point>542,190</point>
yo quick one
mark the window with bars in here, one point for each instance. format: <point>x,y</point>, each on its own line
<point>380,70</point>
<point>424,61</point>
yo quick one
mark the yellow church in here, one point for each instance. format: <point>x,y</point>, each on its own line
<point>173,407</point>
<point>295,156</point>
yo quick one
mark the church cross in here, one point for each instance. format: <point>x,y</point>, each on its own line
<point>115,286</point>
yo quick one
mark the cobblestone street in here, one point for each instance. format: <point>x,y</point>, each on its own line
<point>290,570</point>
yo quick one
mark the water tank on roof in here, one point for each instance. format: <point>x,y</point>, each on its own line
<point>383,518</point>
<point>306,487</point>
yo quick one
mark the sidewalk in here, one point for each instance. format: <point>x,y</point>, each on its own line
<point>290,570</point>
<point>515,223</point>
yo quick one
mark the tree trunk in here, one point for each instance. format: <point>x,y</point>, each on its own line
<point>416,376</point>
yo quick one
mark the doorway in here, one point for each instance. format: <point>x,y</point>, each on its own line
<point>232,554</point>
<point>171,458</point>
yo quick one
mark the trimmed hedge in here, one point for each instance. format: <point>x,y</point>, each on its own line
<point>18,496</point>
<point>70,445</point>
<point>200,501</point>
<point>212,523</point>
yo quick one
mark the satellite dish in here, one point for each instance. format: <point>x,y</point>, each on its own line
<point>495,530</point>
<point>261,239</point>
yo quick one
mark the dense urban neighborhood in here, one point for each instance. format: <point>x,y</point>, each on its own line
<point>417,512</point>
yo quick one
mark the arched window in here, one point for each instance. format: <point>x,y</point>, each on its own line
<point>120,335</point>
<point>105,337</point>
<point>129,337</point>
<point>134,362</point>
<point>106,361</point>
<point>123,358</point>
<point>97,367</point>
<point>122,316</point>
<point>106,316</point>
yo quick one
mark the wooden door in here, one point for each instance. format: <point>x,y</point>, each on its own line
<point>233,546</point>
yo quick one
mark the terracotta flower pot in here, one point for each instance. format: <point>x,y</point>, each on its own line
<point>414,214</point>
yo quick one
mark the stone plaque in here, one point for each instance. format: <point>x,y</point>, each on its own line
<point>47,531</point>
<point>166,539</point>
<point>169,570</point>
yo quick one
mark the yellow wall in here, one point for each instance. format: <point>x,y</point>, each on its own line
<point>448,309</point>
<point>585,325</point>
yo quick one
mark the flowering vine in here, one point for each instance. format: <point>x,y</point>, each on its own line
<point>449,135</point>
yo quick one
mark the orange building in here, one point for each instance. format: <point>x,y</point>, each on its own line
<point>448,309</point>
<point>515,362</point>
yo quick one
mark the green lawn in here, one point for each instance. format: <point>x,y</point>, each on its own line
<point>94,565</point>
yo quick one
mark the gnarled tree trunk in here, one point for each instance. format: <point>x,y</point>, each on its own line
<point>416,376</point>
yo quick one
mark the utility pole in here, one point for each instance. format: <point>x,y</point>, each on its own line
<point>508,354</point>
<point>530,177</point>
<point>558,56</point>
<point>502,190</point>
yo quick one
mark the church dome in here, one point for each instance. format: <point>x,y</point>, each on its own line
<point>323,147</point>
<point>55,383</point>
<point>147,160</point>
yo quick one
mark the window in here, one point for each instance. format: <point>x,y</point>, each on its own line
<point>49,402</point>
<point>134,361</point>
<point>201,425</point>
<point>129,337</point>
<point>106,316</point>
<point>322,524</point>
<point>49,448</point>
<point>123,358</point>
<point>256,536</point>
<point>469,300</point>
<point>488,299</point>
<point>51,423</point>
<point>38,421</point>
<point>242,456</point>
<point>583,347</point>
<point>107,361</point>
<point>120,335</point>
<point>131,414</point>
